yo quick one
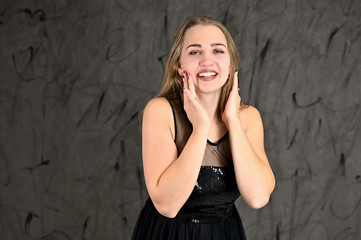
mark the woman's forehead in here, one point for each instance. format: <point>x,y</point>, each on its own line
<point>204,34</point>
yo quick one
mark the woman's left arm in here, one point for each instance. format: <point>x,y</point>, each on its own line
<point>255,179</point>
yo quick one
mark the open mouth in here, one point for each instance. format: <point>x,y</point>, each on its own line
<point>207,74</point>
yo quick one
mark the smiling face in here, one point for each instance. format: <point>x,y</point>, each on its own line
<point>205,57</point>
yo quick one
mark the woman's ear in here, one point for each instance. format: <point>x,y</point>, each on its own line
<point>179,69</point>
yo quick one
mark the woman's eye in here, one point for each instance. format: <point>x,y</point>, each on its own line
<point>194,52</point>
<point>218,51</point>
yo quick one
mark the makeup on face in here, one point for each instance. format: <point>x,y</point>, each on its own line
<point>205,57</point>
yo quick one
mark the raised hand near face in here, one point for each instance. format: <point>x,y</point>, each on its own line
<point>232,108</point>
<point>196,113</point>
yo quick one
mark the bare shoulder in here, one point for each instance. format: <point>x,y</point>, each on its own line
<point>158,105</point>
<point>250,116</point>
<point>158,115</point>
<point>250,112</point>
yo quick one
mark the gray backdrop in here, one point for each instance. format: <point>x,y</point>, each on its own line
<point>76,74</point>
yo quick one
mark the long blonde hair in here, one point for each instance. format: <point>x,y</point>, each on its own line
<point>171,83</point>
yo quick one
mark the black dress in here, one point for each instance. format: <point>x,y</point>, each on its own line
<point>209,213</point>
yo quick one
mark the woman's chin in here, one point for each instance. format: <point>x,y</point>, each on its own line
<point>208,90</point>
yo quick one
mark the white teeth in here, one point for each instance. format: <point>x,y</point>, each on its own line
<point>207,74</point>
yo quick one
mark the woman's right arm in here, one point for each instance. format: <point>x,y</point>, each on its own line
<point>170,180</point>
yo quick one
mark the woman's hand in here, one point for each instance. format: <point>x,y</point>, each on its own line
<point>232,108</point>
<point>196,113</point>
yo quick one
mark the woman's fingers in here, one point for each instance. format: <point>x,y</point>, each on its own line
<point>190,96</point>
<point>191,85</point>
<point>185,81</point>
<point>185,98</point>
<point>235,89</point>
<point>235,82</point>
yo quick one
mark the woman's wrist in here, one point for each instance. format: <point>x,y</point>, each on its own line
<point>232,122</point>
<point>202,130</point>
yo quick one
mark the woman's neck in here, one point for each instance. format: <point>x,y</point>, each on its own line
<point>210,102</point>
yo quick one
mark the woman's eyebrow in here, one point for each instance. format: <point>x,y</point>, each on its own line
<point>218,44</point>
<point>212,45</point>
<point>194,45</point>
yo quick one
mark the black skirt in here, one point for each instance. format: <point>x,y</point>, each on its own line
<point>151,225</point>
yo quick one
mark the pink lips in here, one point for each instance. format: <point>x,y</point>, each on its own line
<point>207,78</point>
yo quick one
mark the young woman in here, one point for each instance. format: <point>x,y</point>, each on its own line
<point>202,147</point>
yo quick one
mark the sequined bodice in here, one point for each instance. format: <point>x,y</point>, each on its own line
<point>213,195</point>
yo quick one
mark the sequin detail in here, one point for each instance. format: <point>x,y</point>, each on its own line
<point>195,221</point>
<point>198,187</point>
<point>213,196</point>
<point>217,170</point>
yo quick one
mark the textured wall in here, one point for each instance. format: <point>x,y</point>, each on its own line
<point>76,74</point>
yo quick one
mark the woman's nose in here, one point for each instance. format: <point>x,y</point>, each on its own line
<point>206,60</point>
